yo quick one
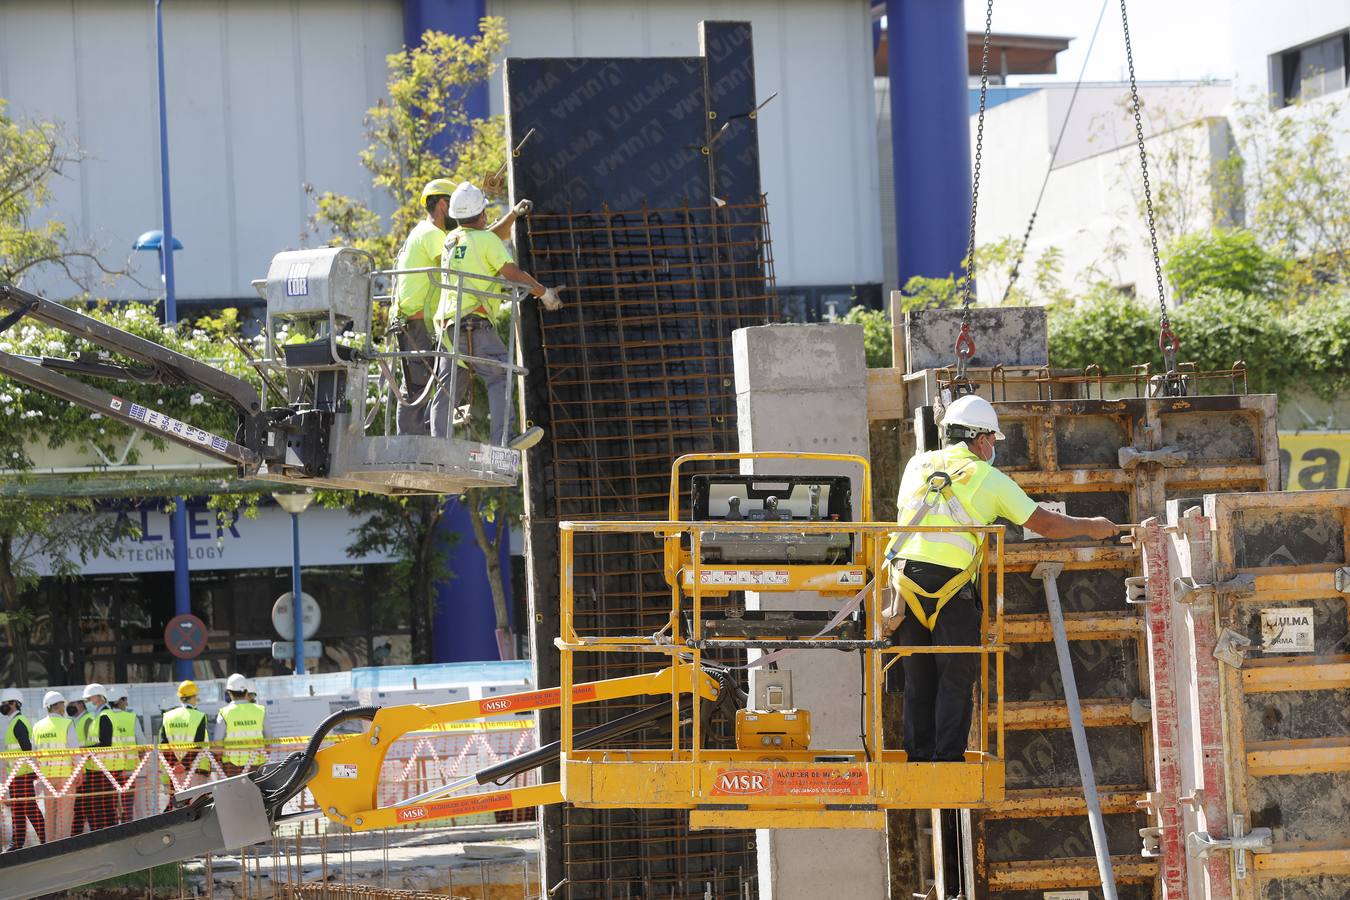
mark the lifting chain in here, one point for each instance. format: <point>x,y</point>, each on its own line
<point>1167,341</point>
<point>965,344</point>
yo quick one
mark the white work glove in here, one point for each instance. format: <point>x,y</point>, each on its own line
<point>550,299</point>
<point>522,208</point>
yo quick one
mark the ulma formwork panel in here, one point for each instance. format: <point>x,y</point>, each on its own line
<point>1124,459</point>
<point>1270,572</point>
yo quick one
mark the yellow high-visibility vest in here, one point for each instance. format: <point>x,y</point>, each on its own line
<point>50,734</point>
<point>12,743</point>
<point>180,727</point>
<point>243,734</point>
<point>124,735</point>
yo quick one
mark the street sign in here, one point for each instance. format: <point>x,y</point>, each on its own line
<point>283,620</point>
<point>286,649</point>
<point>185,636</point>
<point>253,644</point>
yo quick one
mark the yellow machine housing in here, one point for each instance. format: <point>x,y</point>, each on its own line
<point>766,730</point>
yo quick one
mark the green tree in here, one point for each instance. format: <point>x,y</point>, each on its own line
<point>422,131</point>
<point>876,334</point>
<point>31,155</point>
<point>1224,259</point>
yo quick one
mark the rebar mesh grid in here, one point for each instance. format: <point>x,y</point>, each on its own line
<point>635,371</point>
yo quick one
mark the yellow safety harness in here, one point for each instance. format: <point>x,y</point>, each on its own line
<point>937,493</point>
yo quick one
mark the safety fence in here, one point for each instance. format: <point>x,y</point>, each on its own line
<point>50,795</point>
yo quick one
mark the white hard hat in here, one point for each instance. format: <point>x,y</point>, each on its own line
<point>53,697</point>
<point>11,695</point>
<point>973,412</point>
<point>467,201</point>
<point>236,682</point>
<point>117,692</point>
<point>95,690</point>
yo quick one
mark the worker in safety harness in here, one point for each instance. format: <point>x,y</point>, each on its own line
<point>474,249</point>
<point>935,601</point>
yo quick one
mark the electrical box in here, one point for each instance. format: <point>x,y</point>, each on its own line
<point>774,498</point>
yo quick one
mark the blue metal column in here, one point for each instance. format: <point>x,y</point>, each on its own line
<point>930,134</point>
<point>458,17</point>
<point>182,596</point>
<point>297,608</point>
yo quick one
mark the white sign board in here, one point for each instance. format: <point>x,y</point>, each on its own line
<point>1052,505</point>
<point>1287,630</point>
<point>260,543</point>
<point>283,616</point>
<point>286,649</point>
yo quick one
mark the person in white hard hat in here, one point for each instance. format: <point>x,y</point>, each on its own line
<point>23,806</point>
<point>473,304</point>
<point>415,298</point>
<point>935,601</point>
<point>51,736</point>
<point>98,787</point>
<point>241,729</point>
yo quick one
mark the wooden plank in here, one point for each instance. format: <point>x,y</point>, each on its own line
<point>1037,715</point>
<point>1298,757</point>
<point>885,395</point>
<point>1291,673</point>
<point>1078,626</point>
<point>1066,873</point>
<point>1038,802</point>
<point>1293,860</point>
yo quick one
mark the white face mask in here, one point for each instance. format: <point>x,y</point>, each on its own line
<point>993,454</point>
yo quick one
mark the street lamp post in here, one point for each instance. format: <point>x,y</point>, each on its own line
<point>295,504</point>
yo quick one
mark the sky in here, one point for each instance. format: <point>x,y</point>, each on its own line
<point>1173,39</point>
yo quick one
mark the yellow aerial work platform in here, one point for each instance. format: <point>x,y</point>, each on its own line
<point>774,787</point>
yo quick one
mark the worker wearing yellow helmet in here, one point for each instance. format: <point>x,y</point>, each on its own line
<point>468,309</point>
<point>932,573</point>
<point>182,739</point>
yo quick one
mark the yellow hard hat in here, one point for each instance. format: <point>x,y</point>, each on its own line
<point>187,689</point>
<point>437,186</point>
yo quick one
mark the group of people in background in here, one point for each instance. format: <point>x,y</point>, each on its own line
<point>86,754</point>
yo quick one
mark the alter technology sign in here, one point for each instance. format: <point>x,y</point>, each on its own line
<point>259,543</point>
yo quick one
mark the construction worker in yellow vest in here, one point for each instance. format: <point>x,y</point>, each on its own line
<point>51,736</point>
<point>126,734</point>
<point>934,597</point>
<point>241,729</point>
<point>474,249</point>
<point>98,785</point>
<point>22,780</point>
<point>182,738</point>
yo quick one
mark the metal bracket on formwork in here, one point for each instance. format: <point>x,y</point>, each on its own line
<point>1141,710</point>
<point>1166,457</point>
<point>1136,590</point>
<point>1195,799</point>
<point>1187,590</point>
<point>1259,840</point>
<point>1151,836</point>
<point>1342,580</point>
<point>1229,647</point>
<point>1152,841</point>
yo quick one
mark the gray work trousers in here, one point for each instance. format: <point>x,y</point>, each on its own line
<point>477,337</point>
<point>412,417</point>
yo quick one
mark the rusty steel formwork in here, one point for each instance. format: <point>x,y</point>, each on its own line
<point>634,371</point>
<point>1124,459</point>
<point>1256,588</point>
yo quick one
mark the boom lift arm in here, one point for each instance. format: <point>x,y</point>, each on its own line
<point>343,779</point>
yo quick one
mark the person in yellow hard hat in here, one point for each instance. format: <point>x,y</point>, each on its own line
<point>414,302</point>
<point>52,735</point>
<point>182,735</point>
<point>475,249</point>
<point>932,573</point>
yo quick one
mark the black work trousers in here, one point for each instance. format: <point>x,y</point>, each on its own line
<point>938,686</point>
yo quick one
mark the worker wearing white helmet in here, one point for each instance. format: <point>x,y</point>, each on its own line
<point>100,785</point>
<point>54,738</point>
<point>241,729</point>
<point>932,573</point>
<point>126,734</point>
<point>21,778</point>
<point>469,308</point>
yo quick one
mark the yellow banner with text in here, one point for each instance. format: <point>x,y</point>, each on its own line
<point>1314,460</point>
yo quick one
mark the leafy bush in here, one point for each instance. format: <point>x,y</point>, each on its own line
<point>1224,259</point>
<point>876,334</point>
<point>1106,328</point>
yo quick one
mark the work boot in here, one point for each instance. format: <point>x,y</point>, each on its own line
<point>527,438</point>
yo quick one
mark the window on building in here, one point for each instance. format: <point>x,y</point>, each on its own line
<point>1312,70</point>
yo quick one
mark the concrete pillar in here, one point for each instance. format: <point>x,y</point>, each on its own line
<point>804,388</point>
